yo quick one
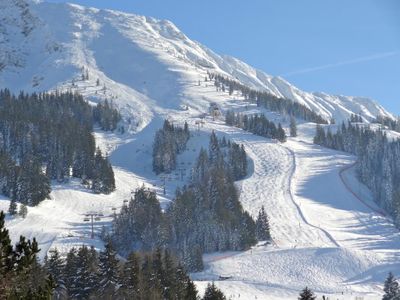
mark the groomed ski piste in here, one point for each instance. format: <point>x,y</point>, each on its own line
<point>328,234</point>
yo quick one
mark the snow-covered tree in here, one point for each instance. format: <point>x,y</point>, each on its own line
<point>293,127</point>
<point>262,226</point>
<point>391,288</point>
<point>23,211</point>
<point>130,279</point>
<point>213,293</point>
<point>12,209</point>
<point>108,271</point>
<point>307,294</point>
<point>168,142</point>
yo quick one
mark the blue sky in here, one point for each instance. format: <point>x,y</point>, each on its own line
<point>335,46</point>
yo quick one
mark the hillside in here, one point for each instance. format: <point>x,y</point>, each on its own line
<point>324,236</point>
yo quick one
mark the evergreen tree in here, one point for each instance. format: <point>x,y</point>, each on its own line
<point>262,226</point>
<point>52,136</point>
<point>85,274</point>
<point>103,175</point>
<point>205,217</point>
<point>131,277</point>
<point>54,265</point>
<point>391,288</point>
<point>21,276</point>
<point>267,100</point>
<point>281,135</point>
<point>257,124</point>
<point>106,115</point>
<point>108,271</point>
<point>168,142</point>
<point>307,294</point>
<point>293,127</point>
<point>23,211</point>
<point>213,293</point>
<point>12,210</point>
<point>213,148</point>
<point>190,291</point>
<point>69,274</point>
<point>169,280</point>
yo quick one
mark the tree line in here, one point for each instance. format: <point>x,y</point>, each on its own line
<point>267,100</point>
<point>378,164</point>
<point>21,274</point>
<point>257,124</point>
<point>47,137</point>
<point>86,274</point>
<point>205,216</point>
<point>106,115</point>
<point>388,122</point>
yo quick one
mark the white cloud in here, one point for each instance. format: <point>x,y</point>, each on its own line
<point>342,63</point>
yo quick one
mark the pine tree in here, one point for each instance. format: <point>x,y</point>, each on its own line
<point>281,134</point>
<point>55,267</point>
<point>103,175</point>
<point>262,226</point>
<point>12,210</point>
<point>85,274</point>
<point>131,277</point>
<point>320,137</point>
<point>190,291</point>
<point>157,276</point>
<point>307,294</point>
<point>169,279</point>
<point>213,293</point>
<point>391,288</point>
<point>70,270</point>
<point>23,211</point>
<point>213,148</point>
<point>53,134</point>
<point>21,276</point>
<point>108,271</point>
<point>293,127</point>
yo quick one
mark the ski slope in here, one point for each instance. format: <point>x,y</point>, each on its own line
<point>324,236</point>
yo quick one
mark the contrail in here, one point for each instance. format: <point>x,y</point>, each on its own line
<point>343,63</point>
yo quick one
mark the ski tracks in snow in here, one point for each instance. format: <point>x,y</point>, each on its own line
<point>291,189</point>
<point>270,184</point>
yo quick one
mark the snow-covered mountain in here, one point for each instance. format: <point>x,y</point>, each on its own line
<point>44,46</point>
<point>327,231</point>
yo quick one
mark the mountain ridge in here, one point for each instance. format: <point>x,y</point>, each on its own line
<point>155,47</point>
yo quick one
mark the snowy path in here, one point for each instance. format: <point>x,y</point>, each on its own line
<point>327,202</point>
<point>291,188</point>
<point>347,184</point>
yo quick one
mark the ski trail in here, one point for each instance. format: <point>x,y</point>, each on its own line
<point>269,184</point>
<point>348,187</point>
<point>291,188</point>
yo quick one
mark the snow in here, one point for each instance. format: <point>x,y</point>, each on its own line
<point>324,237</point>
